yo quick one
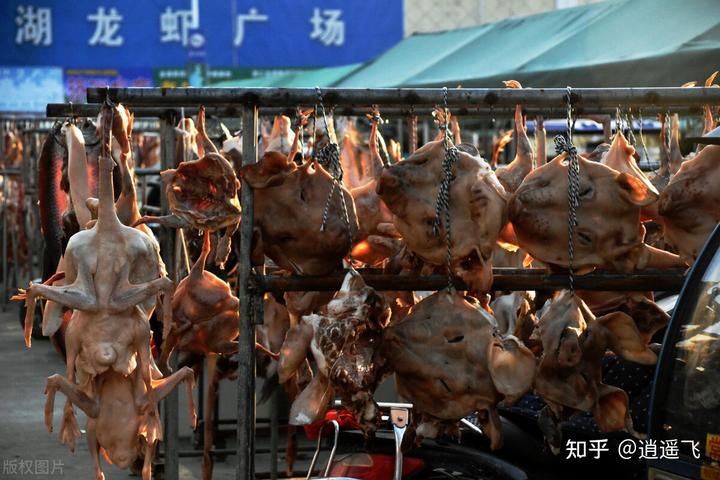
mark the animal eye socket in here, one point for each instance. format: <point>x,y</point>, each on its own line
<point>586,192</point>
<point>584,238</point>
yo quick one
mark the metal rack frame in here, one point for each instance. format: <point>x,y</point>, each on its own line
<point>252,286</point>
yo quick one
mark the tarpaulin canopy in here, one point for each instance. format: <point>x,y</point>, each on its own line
<point>608,44</point>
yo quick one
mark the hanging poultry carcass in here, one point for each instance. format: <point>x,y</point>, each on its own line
<point>690,204</point>
<point>512,175</point>
<point>449,362</point>
<point>477,203</point>
<point>569,375</point>
<point>118,407</point>
<point>539,216</point>
<point>373,215</point>
<point>113,274</point>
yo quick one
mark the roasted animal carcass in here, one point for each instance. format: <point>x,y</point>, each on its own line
<point>569,376</point>
<point>118,408</point>
<point>345,344</point>
<point>449,363</point>
<point>539,215</point>
<point>371,246</point>
<point>512,175</point>
<point>202,194</point>
<point>690,204</point>
<point>289,206</point>
<point>477,210</point>
<point>113,274</point>
<point>205,313</point>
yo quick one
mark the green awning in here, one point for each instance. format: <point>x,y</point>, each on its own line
<point>607,44</point>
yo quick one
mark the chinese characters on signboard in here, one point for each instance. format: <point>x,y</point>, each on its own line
<point>240,33</point>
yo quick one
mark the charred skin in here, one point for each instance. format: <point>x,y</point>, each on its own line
<point>52,199</point>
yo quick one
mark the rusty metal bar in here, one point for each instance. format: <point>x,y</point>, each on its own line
<point>246,342</point>
<point>63,110</point>
<point>495,97</point>
<point>504,279</point>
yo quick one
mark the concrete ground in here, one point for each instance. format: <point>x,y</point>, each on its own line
<point>26,447</point>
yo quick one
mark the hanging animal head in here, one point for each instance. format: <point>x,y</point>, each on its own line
<point>477,210</point>
<point>290,203</point>
<point>608,230</point>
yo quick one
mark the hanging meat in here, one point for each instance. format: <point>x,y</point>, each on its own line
<point>119,411</point>
<point>371,246</point>
<point>569,376</point>
<point>539,216</point>
<point>449,363</point>
<point>113,274</point>
<point>477,203</point>
<point>690,204</point>
<point>205,313</point>
<point>299,218</point>
<point>512,175</point>
<point>345,344</point>
<point>621,157</point>
<point>203,194</point>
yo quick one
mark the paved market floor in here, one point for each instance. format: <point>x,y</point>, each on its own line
<point>27,449</point>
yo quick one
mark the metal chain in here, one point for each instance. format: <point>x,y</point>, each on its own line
<point>329,158</point>
<point>443,198</point>
<point>566,145</point>
<point>629,119</point>
<point>413,129</point>
<point>376,118</point>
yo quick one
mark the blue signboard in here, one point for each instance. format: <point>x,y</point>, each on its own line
<point>238,33</point>
<point>30,89</point>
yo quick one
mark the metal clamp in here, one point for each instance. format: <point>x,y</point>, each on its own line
<point>399,417</point>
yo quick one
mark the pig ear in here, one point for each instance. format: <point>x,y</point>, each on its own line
<point>511,365</point>
<point>268,172</point>
<point>625,339</point>
<point>611,410</point>
<point>634,190</point>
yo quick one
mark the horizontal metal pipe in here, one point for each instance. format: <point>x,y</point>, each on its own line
<point>504,279</point>
<point>63,110</point>
<point>497,97</point>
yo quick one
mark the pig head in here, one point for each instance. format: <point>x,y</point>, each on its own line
<point>449,362</point>
<point>570,371</point>
<point>289,206</point>
<point>608,231</point>
<point>477,211</point>
<point>690,204</point>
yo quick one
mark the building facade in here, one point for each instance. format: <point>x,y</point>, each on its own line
<point>433,15</point>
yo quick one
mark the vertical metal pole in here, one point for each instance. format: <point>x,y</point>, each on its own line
<point>400,131</point>
<point>172,463</point>
<point>426,132</point>
<point>246,344</point>
<point>607,128</point>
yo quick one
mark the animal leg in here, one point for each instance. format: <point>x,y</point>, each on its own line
<point>164,386</point>
<point>132,295</point>
<point>169,344</point>
<point>168,221</point>
<point>72,392</point>
<point>94,448</point>
<point>147,463</point>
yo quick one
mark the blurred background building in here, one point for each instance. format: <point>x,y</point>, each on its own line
<point>432,15</point>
